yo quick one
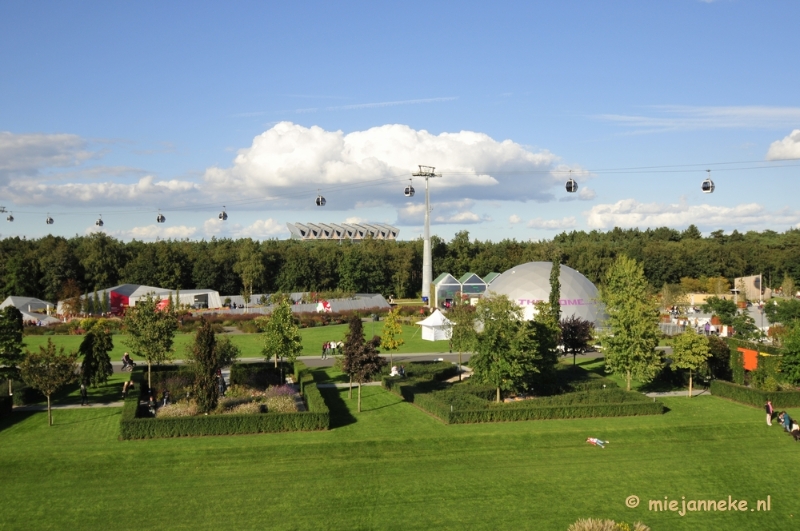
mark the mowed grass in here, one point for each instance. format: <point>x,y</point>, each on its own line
<point>394,467</point>
<point>251,344</point>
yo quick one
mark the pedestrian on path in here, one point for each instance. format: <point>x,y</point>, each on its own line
<point>769,411</point>
<point>84,395</point>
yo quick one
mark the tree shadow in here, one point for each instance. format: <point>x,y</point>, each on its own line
<point>14,418</point>
<point>381,407</point>
<point>340,413</point>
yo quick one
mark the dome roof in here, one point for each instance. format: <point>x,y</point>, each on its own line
<point>528,284</point>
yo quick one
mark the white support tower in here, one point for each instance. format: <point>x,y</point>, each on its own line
<point>427,172</point>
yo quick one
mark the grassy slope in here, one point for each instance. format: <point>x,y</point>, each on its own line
<point>251,344</point>
<point>394,467</point>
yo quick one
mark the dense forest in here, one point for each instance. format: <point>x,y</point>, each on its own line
<point>41,268</point>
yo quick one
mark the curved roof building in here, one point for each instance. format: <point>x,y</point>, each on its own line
<point>528,284</point>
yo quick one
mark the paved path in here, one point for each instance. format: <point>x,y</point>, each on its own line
<point>40,407</point>
<point>685,392</point>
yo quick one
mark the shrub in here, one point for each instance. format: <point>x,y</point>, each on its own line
<point>281,404</point>
<point>246,408</point>
<point>178,409</point>
<point>754,397</point>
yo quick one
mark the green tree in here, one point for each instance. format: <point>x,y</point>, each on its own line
<point>360,358</point>
<point>280,333</point>
<point>227,352</point>
<point>576,334</point>
<point>497,359</point>
<point>632,323</point>
<point>204,356</point>
<point>790,363</point>
<point>10,344</point>
<point>96,365</point>
<point>555,288</point>
<point>462,330</point>
<point>48,371</point>
<point>249,267</point>
<point>723,308</point>
<point>690,350</point>
<point>718,364</point>
<point>784,311</point>
<point>391,334</point>
<point>788,287</point>
<point>151,332</point>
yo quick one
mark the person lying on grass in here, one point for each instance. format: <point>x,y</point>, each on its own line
<point>597,442</point>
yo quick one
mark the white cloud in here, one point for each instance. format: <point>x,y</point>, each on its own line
<point>442,213</point>
<point>289,162</point>
<point>683,117</point>
<point>514,219</point>
<point>146,190</point>
<point>265,228</point>
<point>26,155</point>
<point>152,232</point>
<point>629,213</point>
<point>552,224</point>
<point>788,148</point>
<point>355,219</point>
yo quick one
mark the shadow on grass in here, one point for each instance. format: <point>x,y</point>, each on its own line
<point>13,418</point>
<point>340,413</point>
<point>383,406</point>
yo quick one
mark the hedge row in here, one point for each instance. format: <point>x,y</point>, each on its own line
<point>578,411</point>
<point>760,347</point>
<point>6,405</point>
<point>754,397</point>
<point>316,418</point>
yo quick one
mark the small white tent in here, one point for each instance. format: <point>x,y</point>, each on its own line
<point>436,327</point>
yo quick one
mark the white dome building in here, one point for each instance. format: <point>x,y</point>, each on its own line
<point>528,284</point>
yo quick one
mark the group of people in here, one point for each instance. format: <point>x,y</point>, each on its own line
<point>329,348</point>
<point>401,371</point>
<point>789,425</point>
<point>152,403</point>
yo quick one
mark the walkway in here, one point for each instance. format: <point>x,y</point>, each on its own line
<point>685,392</point>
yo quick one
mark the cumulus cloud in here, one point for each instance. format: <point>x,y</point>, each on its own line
<point>356,220</point>
<point>289,162</point>
<point>27,155</point>
<point>788,148</point>
<point>441,213</point>
<point>514,219</point>
<point>552,224</point>
<point>629,213</point>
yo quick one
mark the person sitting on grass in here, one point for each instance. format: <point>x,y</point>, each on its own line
<point>151,405</point>
<point>787,422</point>
<point>597,442</point>
<point>795,431</point>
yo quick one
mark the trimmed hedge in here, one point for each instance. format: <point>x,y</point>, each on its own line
<point>6,405</point>
<point>754,397</point>
<point>316,418</point>
<point>467,402</point>
<point>140,428</point>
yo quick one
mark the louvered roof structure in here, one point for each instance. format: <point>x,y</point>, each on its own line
<point>342,231</point>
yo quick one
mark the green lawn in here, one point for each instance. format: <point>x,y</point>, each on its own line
<point>394,467</point>
<point>251,344</point>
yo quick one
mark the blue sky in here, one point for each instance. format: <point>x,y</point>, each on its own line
<point>127,108</point>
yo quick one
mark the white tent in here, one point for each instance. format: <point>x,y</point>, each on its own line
<point>436,327</point>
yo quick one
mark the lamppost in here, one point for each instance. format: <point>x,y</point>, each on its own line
<point>427,172</point>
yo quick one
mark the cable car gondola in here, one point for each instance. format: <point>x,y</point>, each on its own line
<point>223,215</point>
<point>320,200</point>
<point>708,184</point>
<point>409,191</point>
<point>99,221</point>
<point>10,218</point>
<point>49,220</point>
<point>572,186</point>
<point>160,218</point>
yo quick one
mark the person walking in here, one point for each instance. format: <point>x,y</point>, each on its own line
<point>768,409</point>
<point>84,395</point>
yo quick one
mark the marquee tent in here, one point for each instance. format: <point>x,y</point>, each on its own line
<point>435,327</point>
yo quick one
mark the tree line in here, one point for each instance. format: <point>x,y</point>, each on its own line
<point>42,267</point>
